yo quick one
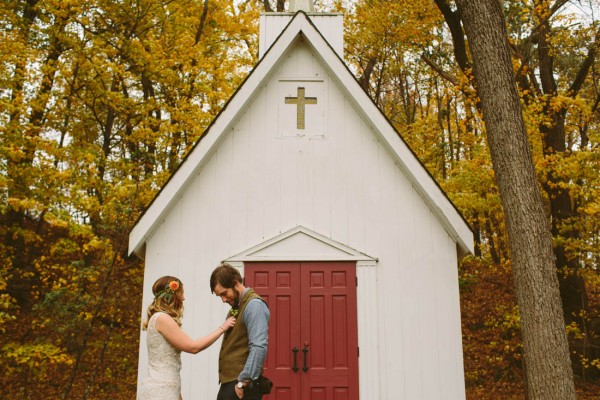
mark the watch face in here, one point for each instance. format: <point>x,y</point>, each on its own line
<point>240,385</point>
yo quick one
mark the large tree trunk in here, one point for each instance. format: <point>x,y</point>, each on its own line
<point>548,366</point>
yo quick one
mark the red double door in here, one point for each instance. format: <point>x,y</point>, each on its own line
<point>313,339</point>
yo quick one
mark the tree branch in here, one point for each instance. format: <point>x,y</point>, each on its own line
<point>583,70</point>
<point>458,37</point>
<point>267,6</point>
<point>202,22</point>
<point>449,77</point>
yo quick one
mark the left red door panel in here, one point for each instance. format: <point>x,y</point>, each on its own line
<point>280,287</point>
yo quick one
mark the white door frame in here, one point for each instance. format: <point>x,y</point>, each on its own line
<point>302,244</point>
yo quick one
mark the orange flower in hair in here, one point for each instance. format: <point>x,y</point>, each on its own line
<point>169,290</point>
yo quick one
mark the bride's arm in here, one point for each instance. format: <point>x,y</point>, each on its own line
<point>181,341</point>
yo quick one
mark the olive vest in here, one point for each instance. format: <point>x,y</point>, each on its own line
<point>235,345</point>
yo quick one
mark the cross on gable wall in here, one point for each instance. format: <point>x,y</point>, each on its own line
<point>301,106</point>
<point>301,101</point>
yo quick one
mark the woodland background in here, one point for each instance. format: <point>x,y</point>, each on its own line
<point>101,99</point>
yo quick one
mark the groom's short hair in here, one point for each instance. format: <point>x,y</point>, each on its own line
<point>226,276</point>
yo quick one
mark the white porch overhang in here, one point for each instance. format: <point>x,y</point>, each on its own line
<point>302,244</point>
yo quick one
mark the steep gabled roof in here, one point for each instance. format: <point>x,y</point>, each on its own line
<point>301,27</point>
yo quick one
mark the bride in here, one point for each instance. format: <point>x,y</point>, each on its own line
<point>166,340</point>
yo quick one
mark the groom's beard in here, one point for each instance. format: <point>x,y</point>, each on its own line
<point>236,298</point>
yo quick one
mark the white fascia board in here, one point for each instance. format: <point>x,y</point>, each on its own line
<point>407,161</point>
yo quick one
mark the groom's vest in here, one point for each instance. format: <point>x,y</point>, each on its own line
<point>234,348</point>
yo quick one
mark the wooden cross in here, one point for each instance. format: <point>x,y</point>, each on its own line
<point>300,101</point>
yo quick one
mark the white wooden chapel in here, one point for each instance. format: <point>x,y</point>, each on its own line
<point>303,181</point>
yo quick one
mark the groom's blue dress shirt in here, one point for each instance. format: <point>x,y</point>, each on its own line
<point>256,318</point>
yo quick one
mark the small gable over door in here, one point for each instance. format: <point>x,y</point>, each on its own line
<point>299,244</point>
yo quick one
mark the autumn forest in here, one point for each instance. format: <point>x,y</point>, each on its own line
<point>100,100</point>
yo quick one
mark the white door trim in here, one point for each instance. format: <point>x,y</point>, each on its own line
<point>302,244</point>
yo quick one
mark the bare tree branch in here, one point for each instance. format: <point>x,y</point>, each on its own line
<point>202,22</point>
<point>449,77</point>
<point>458,37</point>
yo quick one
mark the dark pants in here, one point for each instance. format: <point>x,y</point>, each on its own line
<point>227,392</point>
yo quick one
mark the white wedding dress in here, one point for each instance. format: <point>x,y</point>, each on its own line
<point>163,380</point>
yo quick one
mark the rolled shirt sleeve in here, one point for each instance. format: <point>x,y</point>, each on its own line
<point>256,318</point>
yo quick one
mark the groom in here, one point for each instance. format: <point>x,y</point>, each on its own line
<point>244,347</point>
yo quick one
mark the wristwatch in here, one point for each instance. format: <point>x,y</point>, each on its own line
<point>241,385</point>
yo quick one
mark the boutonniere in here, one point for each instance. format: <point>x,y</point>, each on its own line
<point>234,312</point>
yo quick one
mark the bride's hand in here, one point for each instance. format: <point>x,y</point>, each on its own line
<point>229,323</point>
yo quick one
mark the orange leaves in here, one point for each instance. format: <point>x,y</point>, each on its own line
<point>88,137</point>
<point>491,336</point>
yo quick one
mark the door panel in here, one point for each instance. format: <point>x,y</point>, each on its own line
<point>330,328</point>
<point>313,328</point>
<point>280,288</point>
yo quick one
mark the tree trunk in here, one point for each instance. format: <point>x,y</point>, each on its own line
<point>489,231</point>
<point>572,284</point>
<point>548,366</point>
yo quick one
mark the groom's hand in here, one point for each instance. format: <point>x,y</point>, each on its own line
<point>239,392</point>
<point>240,387</point>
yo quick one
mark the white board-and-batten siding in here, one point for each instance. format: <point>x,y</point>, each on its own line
<point>345,185</point>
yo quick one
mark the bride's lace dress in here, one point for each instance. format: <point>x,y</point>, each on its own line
<point>163,381</point>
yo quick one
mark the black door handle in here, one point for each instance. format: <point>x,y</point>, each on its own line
<point>305,351</point>
<point>295,367</point>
